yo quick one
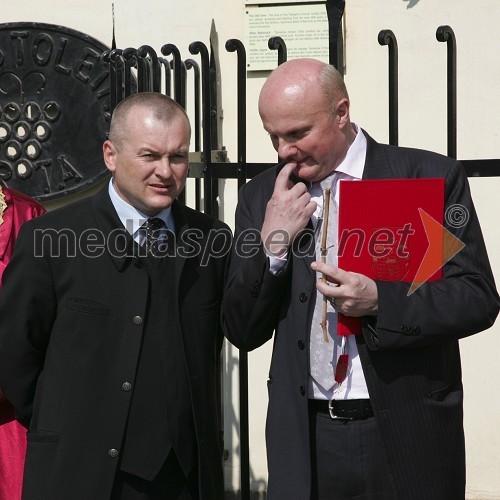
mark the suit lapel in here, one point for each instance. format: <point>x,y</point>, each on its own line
<point>181,226</point>
<point>119,242</point>
<point>376,163</point>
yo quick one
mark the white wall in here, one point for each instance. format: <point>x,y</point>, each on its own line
<point>422,119</point>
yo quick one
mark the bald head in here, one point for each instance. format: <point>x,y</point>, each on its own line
<point>298,78</point>
<point>163,108</point>
<point>304,107</point>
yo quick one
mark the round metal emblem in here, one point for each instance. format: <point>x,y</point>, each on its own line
<point>54,109</point>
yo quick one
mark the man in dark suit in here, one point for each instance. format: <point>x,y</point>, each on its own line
<point>110,335</point>
<point>388,426</point>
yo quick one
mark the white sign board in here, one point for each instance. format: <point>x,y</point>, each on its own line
<point>304,29</point>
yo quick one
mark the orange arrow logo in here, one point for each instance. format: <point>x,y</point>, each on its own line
<point>442,247</point>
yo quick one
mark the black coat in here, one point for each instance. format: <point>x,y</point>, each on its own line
<point>409,354</point>
<point>70,337</point>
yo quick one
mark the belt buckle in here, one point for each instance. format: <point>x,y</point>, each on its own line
<point>335,417</point>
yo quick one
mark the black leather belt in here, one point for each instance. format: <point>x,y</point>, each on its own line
<point>350,409</point>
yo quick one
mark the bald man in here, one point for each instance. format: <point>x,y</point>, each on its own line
<point>379,414</point>
<point>110,335</point>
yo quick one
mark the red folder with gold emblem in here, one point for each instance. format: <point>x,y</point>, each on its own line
<point>391,230</point>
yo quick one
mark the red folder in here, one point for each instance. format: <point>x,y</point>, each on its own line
<point>390,230</point>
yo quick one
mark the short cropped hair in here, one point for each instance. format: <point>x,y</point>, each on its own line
<point>333,85</point>
<point>163,107</point>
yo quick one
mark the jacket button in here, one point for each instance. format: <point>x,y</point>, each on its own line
<point>127,386</point>
<point>137,320</point>
<point>301,345</point>
<point>302,390</point>
<point>404,328</point>
<point>113,453</point>
<point>303,297</point>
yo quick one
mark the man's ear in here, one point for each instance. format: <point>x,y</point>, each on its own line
<point>109,155</point>
<point>342,112</point>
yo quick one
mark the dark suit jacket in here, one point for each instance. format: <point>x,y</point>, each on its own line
<point>70,337</point>
<point>409,353</point>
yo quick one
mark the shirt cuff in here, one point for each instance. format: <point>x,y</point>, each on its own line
<point>276,264</point>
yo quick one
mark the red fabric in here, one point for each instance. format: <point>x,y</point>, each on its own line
<point>12,453</point>
<point>20,208</point>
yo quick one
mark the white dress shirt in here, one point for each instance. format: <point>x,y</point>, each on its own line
<point>351,169</point>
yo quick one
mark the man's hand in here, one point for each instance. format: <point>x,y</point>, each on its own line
<point>287,213</point>
<point>354,294</point>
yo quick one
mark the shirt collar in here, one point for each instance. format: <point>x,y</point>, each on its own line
<point>131,217</point>
<point>354,162</point>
